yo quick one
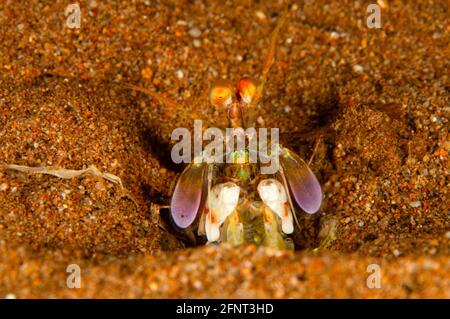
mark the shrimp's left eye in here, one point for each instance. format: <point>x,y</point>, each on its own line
<point>221,94</point>
<point>246,90</point>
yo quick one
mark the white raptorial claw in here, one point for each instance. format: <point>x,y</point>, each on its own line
<point>274,196</point>
<point>222,201</point>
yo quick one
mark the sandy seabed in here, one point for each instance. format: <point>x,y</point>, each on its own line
<point>375,101</point>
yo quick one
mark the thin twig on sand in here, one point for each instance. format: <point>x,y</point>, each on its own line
<point>72,173</point>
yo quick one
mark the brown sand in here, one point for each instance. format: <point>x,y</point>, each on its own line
<point>375,101</point>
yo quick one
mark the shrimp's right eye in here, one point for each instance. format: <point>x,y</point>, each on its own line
<point>221,94</point>
<point>246,90</point>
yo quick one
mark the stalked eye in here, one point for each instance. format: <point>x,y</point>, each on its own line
<point>221,94</point>
<point>246,89</point>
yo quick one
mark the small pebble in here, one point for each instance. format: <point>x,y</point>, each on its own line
<point>195,32</point>
<point>197,284</point>
<point>147,73</point>
<point>434,118</point>
<point>382,4</point>
<point>334,35</point>
<point>260,120</point>
<point>358,68</point>
<point>415,204</point>
<point>154,286</point>
<point>99,186</point>
<point>179,74</point>
<point>260,15</point>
